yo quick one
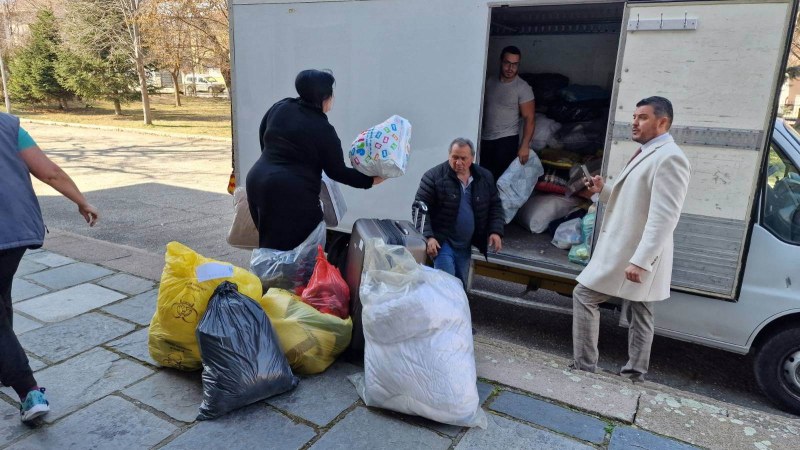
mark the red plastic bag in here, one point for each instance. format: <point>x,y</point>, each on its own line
<point>327,291</point>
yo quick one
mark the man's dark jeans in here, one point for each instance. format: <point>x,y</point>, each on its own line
<point>14,368</point>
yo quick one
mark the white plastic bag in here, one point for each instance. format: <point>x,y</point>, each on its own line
<point>383,150</point>
<point>568,234</point>
<point>546,128</point>
<point>288,269</point>
<point>537,213</point>
<point>515,185</point>
<point>333,205</point>
<point>419,357</point>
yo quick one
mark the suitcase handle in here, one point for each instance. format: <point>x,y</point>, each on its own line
<point>419,210</point>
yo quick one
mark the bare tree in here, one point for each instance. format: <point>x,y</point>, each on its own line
<point>9,19</point>
<point>113,25</point>
<point>167,39</point>
<point>210,23</point>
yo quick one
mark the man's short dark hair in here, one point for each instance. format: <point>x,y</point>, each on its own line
<point>661,106</point>
<point>512,50</point>
<point>461,142</point>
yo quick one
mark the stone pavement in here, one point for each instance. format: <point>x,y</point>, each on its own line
<point>82,308</point>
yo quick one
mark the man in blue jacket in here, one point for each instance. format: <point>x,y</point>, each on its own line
<point>464,210</point>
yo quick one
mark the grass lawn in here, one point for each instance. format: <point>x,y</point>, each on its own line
<point>200,116</point>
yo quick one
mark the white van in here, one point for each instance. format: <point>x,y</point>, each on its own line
<point>736,280</point>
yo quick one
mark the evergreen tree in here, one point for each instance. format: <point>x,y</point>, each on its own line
<point>33,69</point>
<point>107,77</point>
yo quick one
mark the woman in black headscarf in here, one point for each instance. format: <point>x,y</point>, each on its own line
<point>297,144</point>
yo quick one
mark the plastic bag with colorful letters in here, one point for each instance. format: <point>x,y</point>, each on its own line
<point>383,150</point>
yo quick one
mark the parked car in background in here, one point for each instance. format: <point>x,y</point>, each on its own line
<point>208,84</point>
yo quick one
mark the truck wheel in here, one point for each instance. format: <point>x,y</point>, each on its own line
<point>777,369</point>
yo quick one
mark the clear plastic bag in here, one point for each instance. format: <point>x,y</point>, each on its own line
<point>409,310</point>
<point>516,184</point>
<point>242,359</point>
<point>568,234</point>
<point>581,253</point>
<point>290,269</point>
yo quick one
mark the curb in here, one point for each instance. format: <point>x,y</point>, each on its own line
<point>125,129</point>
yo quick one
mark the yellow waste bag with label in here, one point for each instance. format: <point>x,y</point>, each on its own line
<point>187,283</point>
<point>310,339</point>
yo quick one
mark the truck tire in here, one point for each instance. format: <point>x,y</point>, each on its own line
<point>777,368</point>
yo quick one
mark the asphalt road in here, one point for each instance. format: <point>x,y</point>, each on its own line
<point>151,190</point>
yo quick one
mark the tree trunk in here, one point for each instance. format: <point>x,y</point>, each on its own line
<point>139,60</point>
<point>117,107</point>
<point>5,83</point>
<point>177,88</point>
<point>226,75</point>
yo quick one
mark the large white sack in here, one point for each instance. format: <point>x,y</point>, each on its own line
<point>383,150</point>
<point>515,185</point>
<point>537,213</point>
<point>546,129</point>
<point>419,357</point>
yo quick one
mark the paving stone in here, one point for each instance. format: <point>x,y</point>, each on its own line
<point>49,259</point>
<point>177,394</point>
<point>36,363</point>
<point>551,416</point>
<point>514,366</point>
<point>87,378</point>
<point>134,345</point>
<point>139,309</point>
<point>128,284</point>
<point>484,391</point>
<point>709,424</point>
<point>364,429</point>
<point>22,324</point>
<point>10,426</point>
<point>443,428</point>
<point>255,426</point>
<point>69,275</point>
<point>111,423</point>
<point>624,438</point>
<point>24,289</point>
<point>28,267</point>
<point>62,305</point>
<point>62,340</point>
<point>320,398</point>
<point>503,433</point>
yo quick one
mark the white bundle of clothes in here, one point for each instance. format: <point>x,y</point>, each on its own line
<point>383,150</point>
<point>419,357</point>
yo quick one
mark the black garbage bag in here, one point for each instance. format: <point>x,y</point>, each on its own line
<point>242,358</point>
<point>563,111</point>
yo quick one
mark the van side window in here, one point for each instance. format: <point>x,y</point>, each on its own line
<point>782,197</point>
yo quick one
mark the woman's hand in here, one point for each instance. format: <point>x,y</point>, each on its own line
<point>89,213</point>
<point>377,180</point>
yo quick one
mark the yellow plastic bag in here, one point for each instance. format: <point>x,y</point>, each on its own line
<point>187,283</point>
<point>310,339</point>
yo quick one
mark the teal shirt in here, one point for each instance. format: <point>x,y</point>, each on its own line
<point>24,140</point>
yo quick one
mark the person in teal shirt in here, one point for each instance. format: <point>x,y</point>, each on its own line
<point>22,228</point>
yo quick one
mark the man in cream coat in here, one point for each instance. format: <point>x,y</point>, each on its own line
<point>632,258</point>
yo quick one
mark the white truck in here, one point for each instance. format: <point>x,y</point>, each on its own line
<point>736,280</point>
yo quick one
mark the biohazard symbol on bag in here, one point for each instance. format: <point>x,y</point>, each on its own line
<point>185,311</point>
<point>182,301</point>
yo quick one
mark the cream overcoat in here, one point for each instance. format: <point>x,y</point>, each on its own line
<point>642,208</point>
